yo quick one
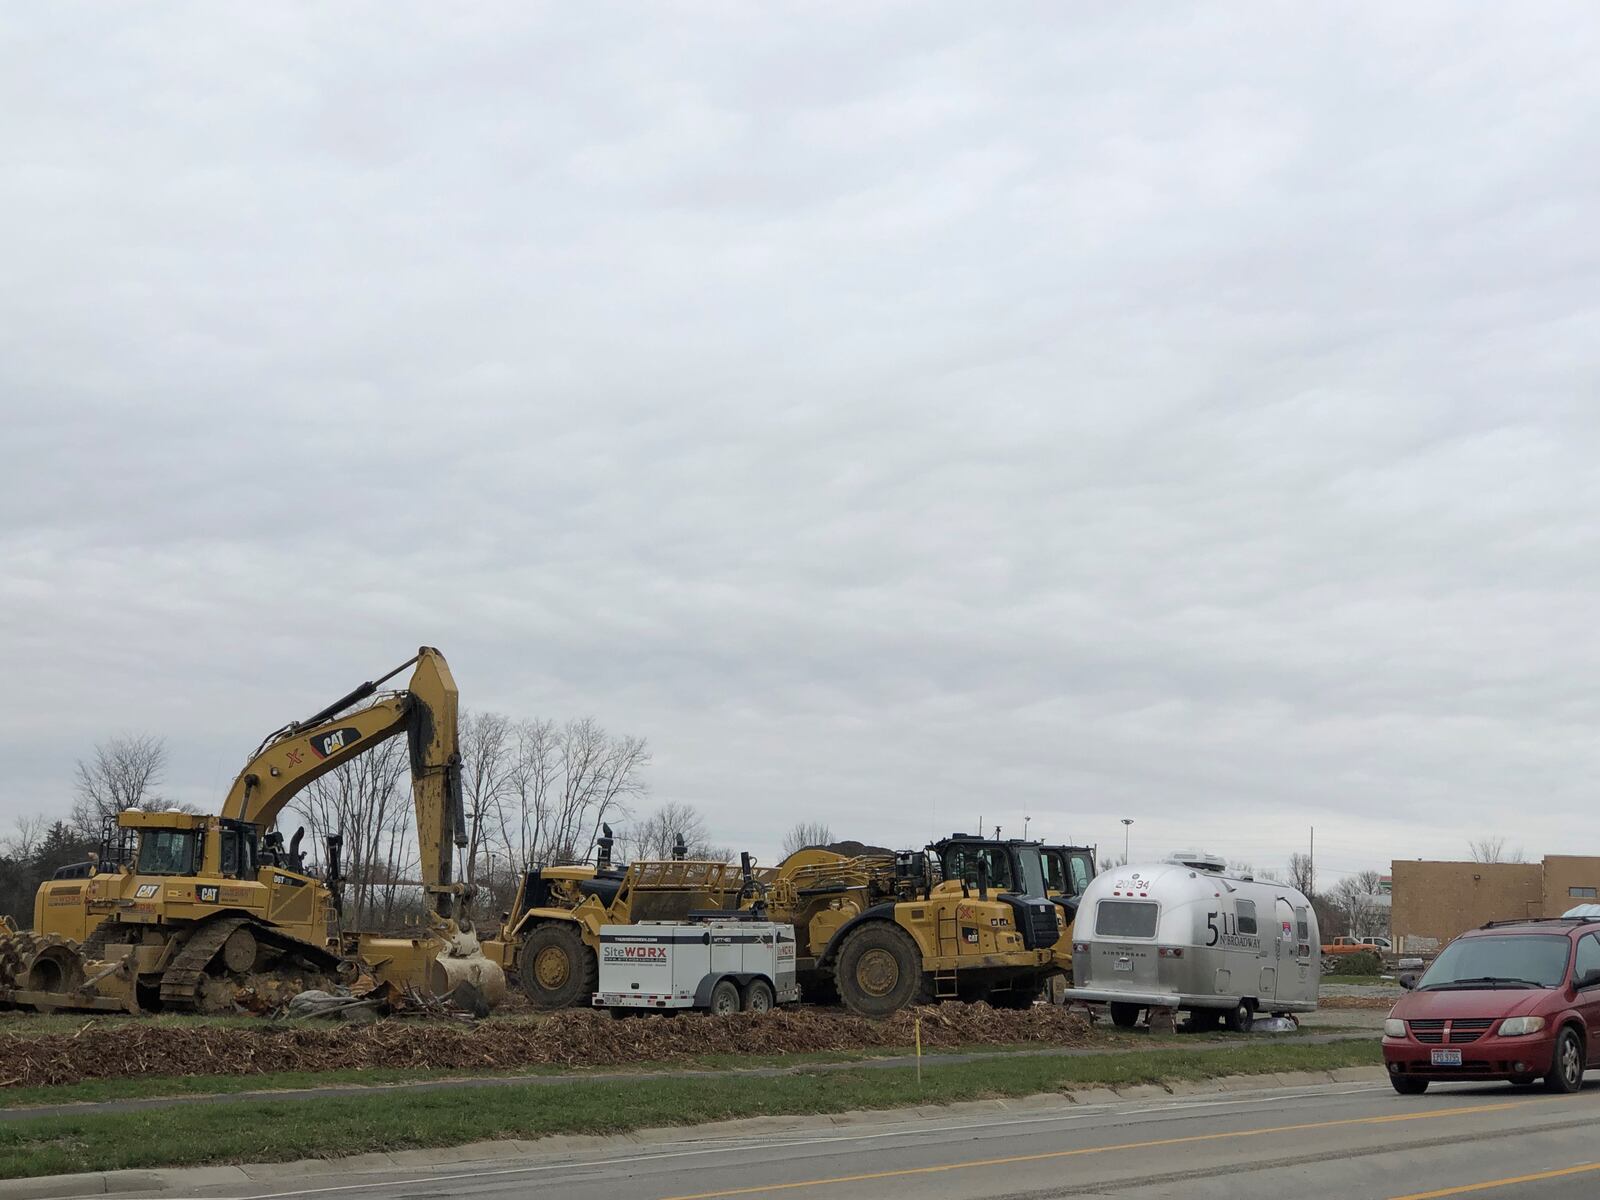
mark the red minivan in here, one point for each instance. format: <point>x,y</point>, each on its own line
<point>1517,1000</point>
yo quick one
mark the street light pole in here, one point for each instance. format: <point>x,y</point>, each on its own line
<point>1127,823</point>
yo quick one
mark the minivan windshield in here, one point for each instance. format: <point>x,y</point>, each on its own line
<point>1523,960</point>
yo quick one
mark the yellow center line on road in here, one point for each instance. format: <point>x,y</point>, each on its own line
<point>1499,1183</point>
<point>1464,1110</point>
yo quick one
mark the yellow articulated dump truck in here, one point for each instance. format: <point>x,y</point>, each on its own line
<point>964,919</point>
<point>184,911</point>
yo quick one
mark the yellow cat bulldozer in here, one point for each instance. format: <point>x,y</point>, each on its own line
<point>964,919</point>
<point>181,911</point>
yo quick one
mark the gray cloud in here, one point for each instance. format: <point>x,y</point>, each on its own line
<point>896,415</point>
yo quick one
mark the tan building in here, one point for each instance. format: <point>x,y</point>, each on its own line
<point>1438,900</point>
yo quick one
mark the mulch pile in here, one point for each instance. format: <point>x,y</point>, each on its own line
<point>1356,1002</point>
<point>575,1038</point>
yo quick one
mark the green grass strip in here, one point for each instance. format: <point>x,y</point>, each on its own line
<point>278,1130</point>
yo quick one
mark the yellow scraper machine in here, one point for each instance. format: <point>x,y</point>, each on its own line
<point>193,912</point>
<point>967,918</point>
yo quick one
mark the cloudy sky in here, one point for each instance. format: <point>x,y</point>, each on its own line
<point>895,413</point>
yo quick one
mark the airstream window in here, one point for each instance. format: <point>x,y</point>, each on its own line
<point>1125,918</point>
<point>1247,916</point>
<point>1303,933</point>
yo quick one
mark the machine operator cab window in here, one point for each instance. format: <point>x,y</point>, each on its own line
<point>166,852</point>
<point>961,862</point>
<point>1068,874</point>
<point>238,854</point>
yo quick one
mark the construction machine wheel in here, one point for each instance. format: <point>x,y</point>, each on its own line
<point>758,996</point>
<point>724,998</point>
<point>555,968</point>
<point>879,971</point>
<point>240,951</point>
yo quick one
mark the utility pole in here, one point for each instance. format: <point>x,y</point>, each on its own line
<point>1313,860</point>
<point>1127,828</point>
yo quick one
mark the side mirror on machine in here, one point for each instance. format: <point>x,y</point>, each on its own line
<point>1408,979</point>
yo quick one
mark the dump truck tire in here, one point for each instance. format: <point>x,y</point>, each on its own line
<point>880,971</point>
<point>555,968</point>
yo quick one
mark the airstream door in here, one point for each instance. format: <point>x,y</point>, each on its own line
<point>1289,986</point>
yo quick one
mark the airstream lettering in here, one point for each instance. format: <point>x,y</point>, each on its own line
<point>1186,935</point>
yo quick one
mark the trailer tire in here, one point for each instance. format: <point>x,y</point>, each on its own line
<point>1124,1016</point>
<point>759,996</point>
<point>555,968</point>
<point>879,971</point>
<point>724,998</point>
<point>1239,1017</point>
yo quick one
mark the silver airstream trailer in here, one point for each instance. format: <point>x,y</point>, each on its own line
<point>1185,935</point>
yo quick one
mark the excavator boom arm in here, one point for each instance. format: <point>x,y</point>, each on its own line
<point>427,711</point>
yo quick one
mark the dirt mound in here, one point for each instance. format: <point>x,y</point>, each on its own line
<point>578,1038</point>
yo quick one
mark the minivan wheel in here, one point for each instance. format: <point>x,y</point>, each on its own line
<point>1408,1085</point>
<point>1124,1016</point>
<point>1566,1068</point>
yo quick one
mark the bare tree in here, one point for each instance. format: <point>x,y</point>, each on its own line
<point>30,833</point>
<point>1356,898</point>
<point>559,784</point>
<point>1302,876</point>
<point>1493,850</point>
<point>655,836</point>
<point>368,800</point>
<point>596,776</point>
<point>487,766</point>
<point>123,773</point>
<point>806,833</point>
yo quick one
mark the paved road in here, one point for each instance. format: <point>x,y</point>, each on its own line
<point>1335,1142</point>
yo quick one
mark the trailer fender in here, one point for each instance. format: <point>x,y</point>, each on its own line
<point>702,994</point>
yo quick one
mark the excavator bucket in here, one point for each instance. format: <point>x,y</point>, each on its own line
<point>436,965</point>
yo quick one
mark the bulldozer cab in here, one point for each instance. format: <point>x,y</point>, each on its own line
<point>1068,869</point>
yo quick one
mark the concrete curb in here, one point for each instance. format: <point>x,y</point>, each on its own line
<point>102,1183</point>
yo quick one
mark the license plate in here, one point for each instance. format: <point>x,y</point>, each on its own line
<point>1124,964</point>
<point>1447,1058</point>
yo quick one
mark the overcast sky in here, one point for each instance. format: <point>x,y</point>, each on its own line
<point>895,413</point>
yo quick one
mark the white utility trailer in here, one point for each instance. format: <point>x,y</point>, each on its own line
<point>725,965</point>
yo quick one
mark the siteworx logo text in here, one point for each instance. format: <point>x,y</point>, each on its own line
<point>633,953</point>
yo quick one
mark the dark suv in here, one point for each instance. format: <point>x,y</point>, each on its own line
<point>1517,1000</point>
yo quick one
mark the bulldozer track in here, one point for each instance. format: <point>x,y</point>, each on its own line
<point>184,976</point>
